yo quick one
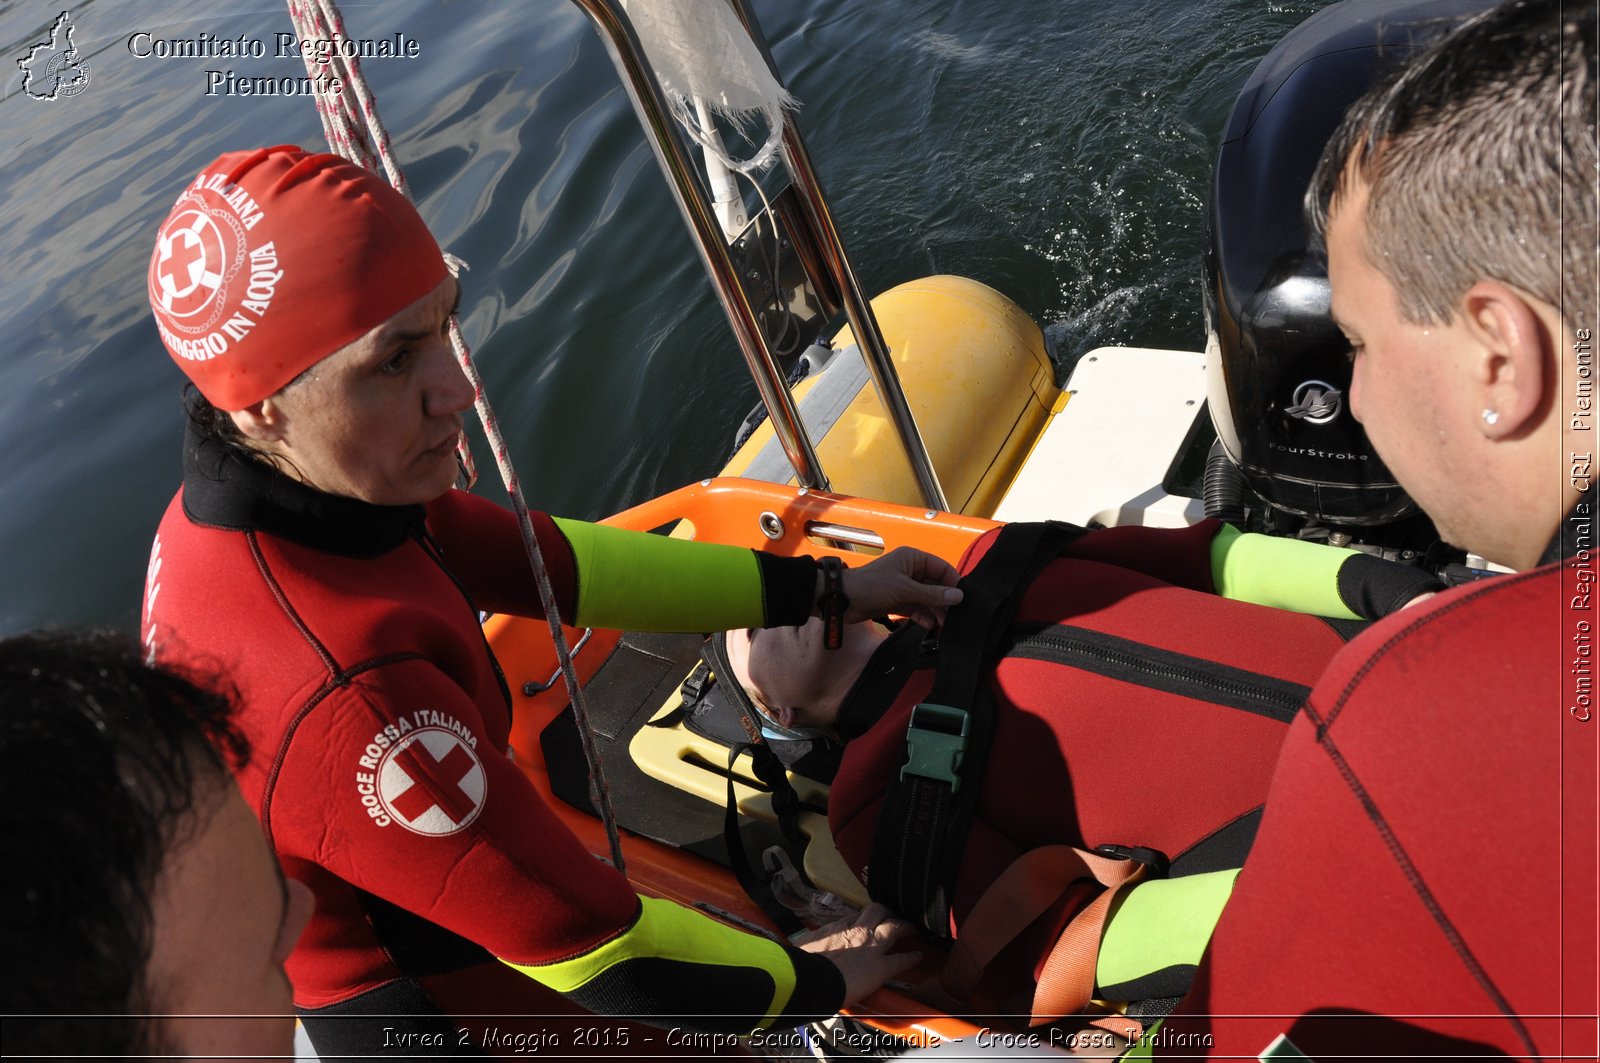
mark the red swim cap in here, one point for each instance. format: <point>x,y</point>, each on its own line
<point>273,259</point>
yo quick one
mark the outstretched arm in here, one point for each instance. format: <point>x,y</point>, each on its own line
<point>1270,570</point>
<point>1311,577</point>
<point>611,577</point>
<point>393,785</point>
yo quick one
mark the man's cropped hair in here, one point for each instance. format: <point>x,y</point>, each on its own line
<point>1479,158</point>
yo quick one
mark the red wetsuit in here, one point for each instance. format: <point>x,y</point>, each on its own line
<point>379,723</point>
<point>1424,879</point>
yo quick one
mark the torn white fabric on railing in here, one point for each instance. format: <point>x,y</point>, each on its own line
<point>699,50</point>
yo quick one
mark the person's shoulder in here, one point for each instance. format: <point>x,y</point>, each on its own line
<point>1467,650</point>
<point>351,754</point>
<point>180,523</point>
<point>1462,613</point>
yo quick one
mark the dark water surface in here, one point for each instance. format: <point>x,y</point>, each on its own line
<point>1058,150</point>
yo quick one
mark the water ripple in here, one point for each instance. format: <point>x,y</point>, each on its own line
<point>1056,149</point>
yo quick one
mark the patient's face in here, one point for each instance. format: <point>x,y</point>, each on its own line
<point>786,671</point>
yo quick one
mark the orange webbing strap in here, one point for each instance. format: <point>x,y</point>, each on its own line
<point>1129,1030</point>
<point>1066,983</point>
<point>1033,884</point>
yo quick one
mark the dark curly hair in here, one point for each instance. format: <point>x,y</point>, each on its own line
<point>105,764</point>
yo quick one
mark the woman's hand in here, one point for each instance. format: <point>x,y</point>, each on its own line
<point>905,581</point>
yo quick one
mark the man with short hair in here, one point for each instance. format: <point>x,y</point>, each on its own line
<point>144,913</point>
<point>1424,879</point>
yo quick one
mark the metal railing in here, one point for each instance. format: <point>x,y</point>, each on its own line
<point>649,104</point>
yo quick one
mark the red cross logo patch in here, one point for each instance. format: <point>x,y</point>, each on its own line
<point>190,264</point>
<point>431,782</point>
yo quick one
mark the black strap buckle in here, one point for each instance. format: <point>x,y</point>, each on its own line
<point>1155,860</point>
<point>694,687</point>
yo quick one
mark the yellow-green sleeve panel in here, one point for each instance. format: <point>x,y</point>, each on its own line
<point>1312,578</point>
<point>1283,573</point>
<point>675,964</point>
<point>642,582</point>
<point>1156,934</point>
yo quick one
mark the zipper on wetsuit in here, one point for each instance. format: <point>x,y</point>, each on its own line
<point>435,552</point>
<point>1075,646</point>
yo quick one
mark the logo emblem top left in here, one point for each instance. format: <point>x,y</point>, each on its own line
<point>53,67</point>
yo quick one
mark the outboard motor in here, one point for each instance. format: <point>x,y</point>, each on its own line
<point>1278,369</point>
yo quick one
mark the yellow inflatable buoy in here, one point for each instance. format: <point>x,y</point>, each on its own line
<point>976,376</point>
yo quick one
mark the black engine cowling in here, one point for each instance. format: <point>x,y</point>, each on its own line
<point>1278,369</point>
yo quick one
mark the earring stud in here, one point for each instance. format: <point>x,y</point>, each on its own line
<point>1491,416</point>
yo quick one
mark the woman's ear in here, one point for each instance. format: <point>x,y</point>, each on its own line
<point>263,422</point>
<point>1515,356</point>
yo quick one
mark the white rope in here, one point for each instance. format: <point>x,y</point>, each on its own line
<point>359,135</point>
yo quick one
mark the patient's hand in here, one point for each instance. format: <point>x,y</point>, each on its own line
<point>862,949</point>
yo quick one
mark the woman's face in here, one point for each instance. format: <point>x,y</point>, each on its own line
<point>379,418</point>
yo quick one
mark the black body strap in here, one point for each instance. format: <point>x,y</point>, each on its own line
<point>922,828</point>
<point>769,770</point>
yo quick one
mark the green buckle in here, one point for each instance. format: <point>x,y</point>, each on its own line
<point>936,740</point>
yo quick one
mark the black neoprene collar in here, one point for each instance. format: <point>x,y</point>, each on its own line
<point>223,489</point>
<point>882,678</point>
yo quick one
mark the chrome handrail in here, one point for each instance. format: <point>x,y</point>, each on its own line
<point>640,82</point>
<point>645,93</point>
<point>863,322</point>
<point>857,307</point>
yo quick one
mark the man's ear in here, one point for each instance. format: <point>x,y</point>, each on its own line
<point>263,422</point>
<point>784,715</point>
<point>1515,356</point>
